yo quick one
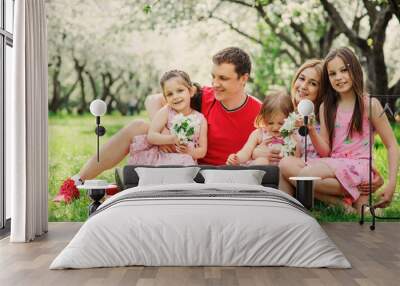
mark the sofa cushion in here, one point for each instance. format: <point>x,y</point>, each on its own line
<point>248,177</point>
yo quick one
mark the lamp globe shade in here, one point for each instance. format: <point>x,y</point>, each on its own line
<point>98,107</point>
<point>305,107</point>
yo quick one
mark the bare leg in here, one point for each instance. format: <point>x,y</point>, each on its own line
<point>114,150</point>
<point>328,189</point>
<point>329,185</point>
<point>289,167</point>
<point>285,186</point>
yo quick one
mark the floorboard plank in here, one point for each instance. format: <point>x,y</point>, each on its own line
<point>374,255</point>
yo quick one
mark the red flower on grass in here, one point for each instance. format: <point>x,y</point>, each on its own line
<point>68,192</point>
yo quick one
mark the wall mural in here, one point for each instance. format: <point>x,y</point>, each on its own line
<point>170,81</point>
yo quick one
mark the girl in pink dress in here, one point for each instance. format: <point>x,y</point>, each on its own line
<point>275,109</point>
<point>343,142</point>
<point>178,91</point>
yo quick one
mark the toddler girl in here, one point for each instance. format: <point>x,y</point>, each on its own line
<point>275,109</point>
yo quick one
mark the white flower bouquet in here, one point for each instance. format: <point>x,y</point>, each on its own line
<point>184,127</point>
<point>289,148</point>
<point>288,126</point>
<point>287,130</point>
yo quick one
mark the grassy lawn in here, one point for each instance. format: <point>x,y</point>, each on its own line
<point>72,142</point>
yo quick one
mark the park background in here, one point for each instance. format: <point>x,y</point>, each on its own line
<point>117,50</point>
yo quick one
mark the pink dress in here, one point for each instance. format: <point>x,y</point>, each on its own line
<point>141,152</point>
<point>350,156</point>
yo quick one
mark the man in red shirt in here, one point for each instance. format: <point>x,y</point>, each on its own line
<point>229,111</point>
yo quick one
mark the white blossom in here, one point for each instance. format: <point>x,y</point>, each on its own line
<point>286,131</point>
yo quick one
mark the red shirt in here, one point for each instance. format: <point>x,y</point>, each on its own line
<point>228,130</point>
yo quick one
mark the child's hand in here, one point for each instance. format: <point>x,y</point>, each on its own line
<point>182,148</point>
<point>386,197</point>
<point>376,183</point>
<point>300,121</point>
<point>273,155</point>
<point>232,160</point>
<point>167,148</point>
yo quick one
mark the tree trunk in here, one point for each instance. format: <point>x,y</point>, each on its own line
<point>56,99</point>
<point>92,84</point>
<point>79,68</point>
<point>105,92</point>
<point>120,105</point>
<point>377,75</point>
<point>65,101</point>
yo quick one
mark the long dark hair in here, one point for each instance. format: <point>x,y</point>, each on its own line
<point>331,96</point>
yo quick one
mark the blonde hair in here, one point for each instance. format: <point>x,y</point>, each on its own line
<point>276,100</point>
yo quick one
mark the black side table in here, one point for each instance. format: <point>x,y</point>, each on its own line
<point>305,190</point>
<point>96,194</point>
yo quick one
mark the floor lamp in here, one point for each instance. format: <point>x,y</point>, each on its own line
<point>98,108</point>
<point>305,185</point>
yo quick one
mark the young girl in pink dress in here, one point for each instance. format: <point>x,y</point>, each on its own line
<point>178,91</point>
<point>343,142</point>
<point>275,109</point>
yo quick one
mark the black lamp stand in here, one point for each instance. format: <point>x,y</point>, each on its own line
<point>100,131</point>
<point>303,131</point>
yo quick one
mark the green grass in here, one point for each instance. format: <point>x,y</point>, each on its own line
<point>72,142</point>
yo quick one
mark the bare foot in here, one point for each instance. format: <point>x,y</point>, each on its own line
<point>362,200</point>
<point>377,211</point>
<point>348,209</point>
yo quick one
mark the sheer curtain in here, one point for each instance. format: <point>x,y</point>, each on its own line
<point>26,117</point>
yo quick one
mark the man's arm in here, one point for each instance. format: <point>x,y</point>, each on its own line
<point>153,103</point>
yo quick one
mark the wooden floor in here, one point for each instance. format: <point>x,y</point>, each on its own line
<point>374,255</point>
